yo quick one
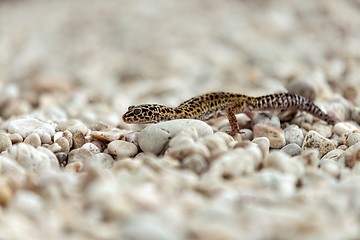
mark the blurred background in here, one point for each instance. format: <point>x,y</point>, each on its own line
<point>91,59</point>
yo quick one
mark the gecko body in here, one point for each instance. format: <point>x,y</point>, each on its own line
<point>213,104</point>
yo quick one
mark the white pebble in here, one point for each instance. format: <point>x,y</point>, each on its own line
<point>284,184</point>
<point>316,141</point>
<point>284,163</point>
<point>352,155</point>
<point>293,134</point>
<point>234,164</point>
<point>196,163</point>
<point>80,155</point>
<point>335,154</point>
<point>72,126</point>
<point>91,147</point>
<point>344,127</point>
<point>122,149</point>
<point>27,126</point>
<point>331,167</point>
<point>28,157</point>
<point>352,139</point>
<point>264,145</point>
<point>292,149</point>
<point>5,142</point>
<point>104,160</point>
<point>266,119</point>
<point>215,143</point>
<point>33,139</point>
<point>155,137</point>
<point>274,134</point>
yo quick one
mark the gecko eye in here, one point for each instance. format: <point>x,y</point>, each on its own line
<point>137,111</point>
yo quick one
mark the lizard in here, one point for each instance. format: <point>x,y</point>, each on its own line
<point>210,105</point>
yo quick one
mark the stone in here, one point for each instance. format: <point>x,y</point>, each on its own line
<point>352,155</point>
<point>292,149</point>
<point>104,160</point>
<point>293,134</point>
<point>110,135</point>
<point>91,147</point>
<point>331,167</point>
<point>316,141</point>
<point>72,126</point>
<point>335,154</point>
<point>215,143</point>
<point>78,139</point>
<point>322,129</point>
<point>264,145</point>
<point>27,126</point>
<point>266,119</point>
<point>28,157</point>
<point>33,139</point>
<point>154,138</point>
<point>80,155</point>
<point>352,138</point>
<point>16,138</point>
<point>122,149</point>
<point>355,114</point>
<point>344,127</point>
<point>196,163</point>
<point>64,145</point>
<point>5,142</point>
<point>284,163</point>
<point>52,158</point>
<point>275,135</point>
<point>234,164</point>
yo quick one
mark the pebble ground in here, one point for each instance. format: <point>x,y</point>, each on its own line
<point>70,168</point>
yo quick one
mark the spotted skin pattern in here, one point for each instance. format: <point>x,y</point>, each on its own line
<point>212,105</point>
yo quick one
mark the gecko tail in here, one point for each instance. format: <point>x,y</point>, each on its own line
<point>292,101</point>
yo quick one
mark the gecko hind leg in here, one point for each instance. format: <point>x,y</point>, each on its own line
<point>232,119</point>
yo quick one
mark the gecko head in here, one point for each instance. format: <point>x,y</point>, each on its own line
<point>144,113</point>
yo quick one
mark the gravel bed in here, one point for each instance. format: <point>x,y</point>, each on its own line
<point>70,168</point>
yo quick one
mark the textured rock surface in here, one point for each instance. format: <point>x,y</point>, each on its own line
<point>70,168</point>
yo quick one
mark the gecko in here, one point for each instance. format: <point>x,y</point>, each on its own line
<point>214,104</point>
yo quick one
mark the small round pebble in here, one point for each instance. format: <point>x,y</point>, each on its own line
<point>293,134</point>
<point>266,119</point>
<point>33,139</point>
<point>355,114</point>
<point>28,157</point>
<point>27,126</point>
<point>91,147</point>
<point>274,134</point>
<point>315,140</point>
<point>104,160</point>
<point>344,127</point>
<point>122,149</point>
<point>292,149</point>
<point>352,139</point>
<point>5,142</point>
<point>284,163</point>
<point>264,145</point>
<point>73,126</point>
<point>64,144</point>
<point>155,137</point>
<point>352,155</point>
<point>16,138</point>
<point>78,139</point>
<point>335,154</point>
<point>80,155</point>
<point>331,167</point>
